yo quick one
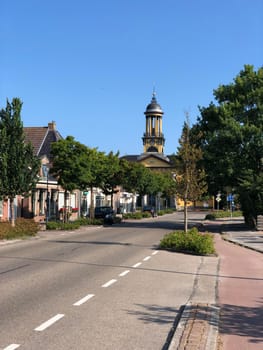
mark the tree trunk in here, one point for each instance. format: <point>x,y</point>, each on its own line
<point>185,216</point>
<point>111,199</point>
<point>65,207</point>
<point>12,211</point>
<point>91,211</point>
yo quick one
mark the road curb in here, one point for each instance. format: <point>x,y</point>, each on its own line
<point>237,242</point>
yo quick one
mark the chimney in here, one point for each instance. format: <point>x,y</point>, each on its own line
<point>52,126</point>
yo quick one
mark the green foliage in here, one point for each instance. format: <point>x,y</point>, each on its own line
<point>62,225</point>
<point>230,135</point>
<point>73,225</point>
<point>88,221</point>
<point>137,178</point>
<point>70,164</point>
<point>189,242</point>
<point>112,174</point>
<point>145,214</point>
<point>137,215</point>
<point>210,217</point>
<point>190,177</point>
<point>223,214</point>
<point>23,228</point>
<point>19,166</point>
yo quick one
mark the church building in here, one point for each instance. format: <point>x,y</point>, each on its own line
<point>153,140</point>
<point>153,156</point>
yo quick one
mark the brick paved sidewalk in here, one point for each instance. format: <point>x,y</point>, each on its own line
<point>197,329</point>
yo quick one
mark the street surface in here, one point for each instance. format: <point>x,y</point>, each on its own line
<point>98,287</point>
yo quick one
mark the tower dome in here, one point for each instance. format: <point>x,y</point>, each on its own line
<point>153,107</point>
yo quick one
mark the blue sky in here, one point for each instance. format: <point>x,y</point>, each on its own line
<point>91,66</point>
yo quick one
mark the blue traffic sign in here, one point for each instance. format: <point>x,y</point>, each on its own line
<point>230,197</point>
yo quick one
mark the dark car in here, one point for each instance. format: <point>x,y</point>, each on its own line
<point>101,212</point>
<point>149,209</point>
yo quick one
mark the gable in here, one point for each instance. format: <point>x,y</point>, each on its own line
<point>41,138</point>
<point>154,162</point>
<point>36,136</point>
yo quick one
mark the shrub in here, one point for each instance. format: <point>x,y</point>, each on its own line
<point>23,228</point>
<point>190,242</point>
<point>166,211</point>
<point>223,214</point>
<point>136,215</point>
<point>210,217</point>
<point>88,221</point>
<point>72,225</point>
<point>53,225</point>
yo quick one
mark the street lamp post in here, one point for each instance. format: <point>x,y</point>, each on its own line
<point>46,172</point>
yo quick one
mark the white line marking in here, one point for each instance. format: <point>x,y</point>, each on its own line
<point>124,273</point>
<point>12,347</point>
<point>146,258</point>
<point>83,300</point>
<point>49,322</point>
<point>109,283</point>
<point>136,265</point>
<point>154,253</point>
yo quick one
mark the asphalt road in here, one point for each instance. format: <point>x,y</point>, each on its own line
<point>96,288</point>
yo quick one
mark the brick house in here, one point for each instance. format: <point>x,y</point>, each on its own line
<point>47,198</point>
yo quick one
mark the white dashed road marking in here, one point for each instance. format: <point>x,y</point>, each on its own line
<point>57,317</point>
<point>124,273</point>
<point>136,265</point>
<point>12,347</point>
<point>83,300</point>
<point>49,322</point>
<point>109,283</point>
<point>146,258</point>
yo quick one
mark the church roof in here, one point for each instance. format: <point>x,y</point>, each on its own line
<point>143,156</point>
<point>155,155</point>
<point>131,158</point>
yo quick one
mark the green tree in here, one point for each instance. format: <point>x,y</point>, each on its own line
<point>96,165</point>
<point>168,184</point>
<point>112,174</point>
<point>70,166</point>
<point>190,176</point>
<point>77,166</point>
<point>18,165</point>
<point>139,180</point>
<point>231,137</point>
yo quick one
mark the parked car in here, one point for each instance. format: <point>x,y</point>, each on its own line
<point>149,209</point>
<point>101,212</point>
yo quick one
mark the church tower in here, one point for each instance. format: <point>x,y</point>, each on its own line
<point>153,139</point>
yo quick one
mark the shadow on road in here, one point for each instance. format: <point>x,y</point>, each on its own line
<point>159,314</point>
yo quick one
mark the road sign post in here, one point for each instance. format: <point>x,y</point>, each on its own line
<point>218,199</point>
